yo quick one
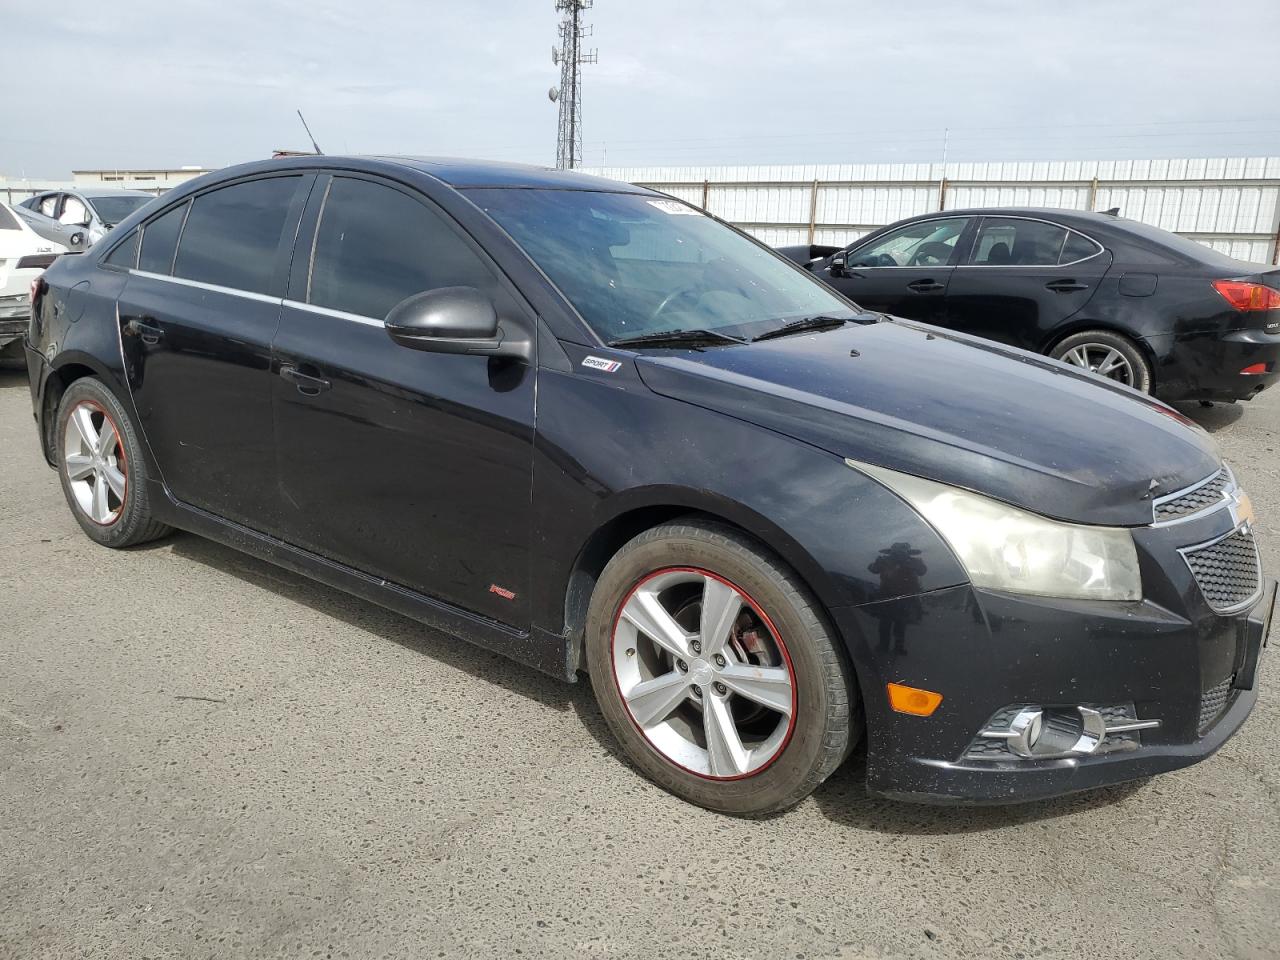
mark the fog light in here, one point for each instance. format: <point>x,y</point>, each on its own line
<point>1032,732</point>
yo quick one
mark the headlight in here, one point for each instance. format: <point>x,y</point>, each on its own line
<point>1005,548</point>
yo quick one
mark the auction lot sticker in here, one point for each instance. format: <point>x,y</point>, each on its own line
<point>675,209</point>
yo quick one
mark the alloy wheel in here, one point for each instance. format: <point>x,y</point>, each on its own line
<point>94,463</point>
<point>703,673</point>
<point>1102,359</point>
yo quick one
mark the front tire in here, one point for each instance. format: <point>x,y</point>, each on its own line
<point>100,464</point>
<point>1110,355</point>
<point>716,670</point>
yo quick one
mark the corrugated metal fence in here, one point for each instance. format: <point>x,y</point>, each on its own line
<point>1230,204</point>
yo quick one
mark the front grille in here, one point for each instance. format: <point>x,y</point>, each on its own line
<point>1229,572</point>
<point>1193,501</point>
<point>1213,701</point>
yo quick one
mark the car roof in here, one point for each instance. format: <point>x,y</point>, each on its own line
<point>461,173</point>
<point>1043,213</point>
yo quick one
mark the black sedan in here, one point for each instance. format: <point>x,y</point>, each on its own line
<point>597,430</point>
<point>1134,303</point>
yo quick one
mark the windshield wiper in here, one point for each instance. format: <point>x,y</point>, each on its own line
<point>681,337</point>
<point>819,322</point>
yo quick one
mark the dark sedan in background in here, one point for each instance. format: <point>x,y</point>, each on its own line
<point>1148,308</point>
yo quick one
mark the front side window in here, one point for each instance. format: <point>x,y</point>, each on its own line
<point>926,243</point>
<point>634,264</point>
<point>159,239</point>
<point>376,246</point>
<point>233,234</point>
<point>1009,242</point>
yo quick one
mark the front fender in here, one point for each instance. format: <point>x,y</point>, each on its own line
<point>833,525</point>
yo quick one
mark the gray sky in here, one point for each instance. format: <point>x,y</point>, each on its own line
<point>150,83</point>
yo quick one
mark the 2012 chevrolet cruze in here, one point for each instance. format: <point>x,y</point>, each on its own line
<point>593,428</point>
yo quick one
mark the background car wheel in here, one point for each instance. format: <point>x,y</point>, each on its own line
<point>101,467</point>
<point>1110,355</point>
<point>717,671</point>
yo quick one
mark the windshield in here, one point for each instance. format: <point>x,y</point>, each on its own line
<point>633,264</point>
<point>114,209</point>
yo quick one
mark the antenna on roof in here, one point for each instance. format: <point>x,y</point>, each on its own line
<point>1113,212</point>
<point>319,152</point>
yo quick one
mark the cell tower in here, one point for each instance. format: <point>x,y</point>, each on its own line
<point>570,56</point>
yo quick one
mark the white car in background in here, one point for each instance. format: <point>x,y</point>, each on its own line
<point>59,214</point>
<point>24,254</point>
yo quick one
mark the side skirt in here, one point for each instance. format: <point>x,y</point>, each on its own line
<point>539,649</point>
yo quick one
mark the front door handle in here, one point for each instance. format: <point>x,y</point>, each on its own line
<point>1066,286</point>
<point>925,286</point>
<point>307,385</point>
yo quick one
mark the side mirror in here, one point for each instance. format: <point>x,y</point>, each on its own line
<point>838,264</point>
<point>456,320</point>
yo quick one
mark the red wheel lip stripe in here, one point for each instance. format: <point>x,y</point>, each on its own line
<point>764,617</point>
<point>120,443</point>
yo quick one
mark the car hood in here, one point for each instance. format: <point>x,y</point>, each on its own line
<point>1006,423</point>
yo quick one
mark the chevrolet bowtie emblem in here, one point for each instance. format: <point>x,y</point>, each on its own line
<point>1241,508</point>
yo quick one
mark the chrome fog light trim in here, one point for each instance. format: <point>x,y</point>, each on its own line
<point>1042,733</point>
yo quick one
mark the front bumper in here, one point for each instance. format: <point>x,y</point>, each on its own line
<point>984,651</point>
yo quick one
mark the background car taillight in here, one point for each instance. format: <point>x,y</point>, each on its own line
<point>1248,297</point>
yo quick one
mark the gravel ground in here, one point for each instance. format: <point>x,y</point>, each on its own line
<point>204,756</point>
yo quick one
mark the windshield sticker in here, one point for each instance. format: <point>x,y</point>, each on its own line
<point>674,208</point>
<point>600,363</point>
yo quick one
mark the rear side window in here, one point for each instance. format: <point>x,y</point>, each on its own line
<point>375,246</point>
<point>233,234</point>
<point>1078,247</point>
<point>1006,242</point>
<point>126,253</point>
<point>159,239</point>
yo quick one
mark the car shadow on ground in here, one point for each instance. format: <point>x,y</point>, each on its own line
<point>1213,418</point>
<point>842,799</point>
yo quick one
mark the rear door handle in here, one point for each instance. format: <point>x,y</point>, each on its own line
<point>145,329</point>
<point>1066,286</point>
<point>307,385</point>
<point>925,286</point>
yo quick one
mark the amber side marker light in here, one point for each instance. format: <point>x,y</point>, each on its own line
<point>913,700</point>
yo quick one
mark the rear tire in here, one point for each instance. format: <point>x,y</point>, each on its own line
<point>1108,354</point>
<point>101,466</point>
<point>725,737</point>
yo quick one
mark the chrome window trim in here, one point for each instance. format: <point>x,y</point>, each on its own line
<point>330,312</point>
<point>1243,605</point>
<point>211,287</point>
<point>1231,487</point>
<point>1034,266</point>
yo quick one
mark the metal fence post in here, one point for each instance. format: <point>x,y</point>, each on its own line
<point>813,211</point>
<point>1093,194</point>
<point>942,194</point>
<point>706,194</point>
